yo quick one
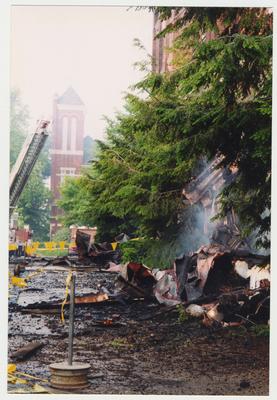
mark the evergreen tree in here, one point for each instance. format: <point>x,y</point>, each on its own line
<point>217,101</point>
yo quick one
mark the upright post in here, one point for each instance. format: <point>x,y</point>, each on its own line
<point>71,320</point>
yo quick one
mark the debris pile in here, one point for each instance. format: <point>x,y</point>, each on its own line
<point>98,253</point>
<point>221,285</point>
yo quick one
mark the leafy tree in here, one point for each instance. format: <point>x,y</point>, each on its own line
<point>217,101</point>
<point>19,125</point>
<point>90,149</point>
<point>33,204</point>
<point>44,159</point>
<point>19,117</point>
<point>63,234</point>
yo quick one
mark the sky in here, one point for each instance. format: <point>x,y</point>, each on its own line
<point>87,47</point>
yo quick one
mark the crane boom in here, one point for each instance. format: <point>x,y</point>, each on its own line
<point>26,161</point>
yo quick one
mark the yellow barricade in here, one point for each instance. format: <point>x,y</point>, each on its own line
<point>114,245</point>
<point>29,250</point>
<point>49,245</point>
<point>62,245</point>
<point>35,245</point>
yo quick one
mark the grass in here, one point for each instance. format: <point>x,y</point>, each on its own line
<point>53,253</point>
<point>119,342</point>
<point>182,315</point>
<point>260,330</point>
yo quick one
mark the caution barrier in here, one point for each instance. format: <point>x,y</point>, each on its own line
<point>67,285</point>
<point>52,246</point>
<point>31,249</point>
<point>114,245</point>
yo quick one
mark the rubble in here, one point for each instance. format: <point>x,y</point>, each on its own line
<point>195,310</point>
<point>112,267</point>
<point>53,300</point>
<point>228,286</point>
<point>136,280</point>
<point>222,284</point>
<point>101,323</point>
<point>165,290</point>
<point>98,253</point>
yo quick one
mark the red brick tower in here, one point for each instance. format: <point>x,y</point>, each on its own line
<point>67,145</point>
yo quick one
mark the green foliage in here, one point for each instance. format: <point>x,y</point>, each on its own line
<point>33,204</point>
<point>133,251</point>
<point>221,20</point>
<point>90,149</point>
<point>19,117</point>
<point>63,234</point>
<point>118,343</point>
<point>44,159</point>
<point>155,253</point>
<point>217,102</point>
<point>52,253</point>
<point>182,315</point>
<point>260,330</point>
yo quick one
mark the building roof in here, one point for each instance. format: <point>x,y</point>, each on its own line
<point>70,97</point>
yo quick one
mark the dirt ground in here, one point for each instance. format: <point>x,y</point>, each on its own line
<point>144,350</point>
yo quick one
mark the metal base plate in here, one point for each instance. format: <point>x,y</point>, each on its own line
<point>69,377</point>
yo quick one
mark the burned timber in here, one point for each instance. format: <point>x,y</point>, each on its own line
<point>200,327</point>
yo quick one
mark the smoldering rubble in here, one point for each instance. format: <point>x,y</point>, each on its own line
<point>232,285</point>
<point>225,277</point>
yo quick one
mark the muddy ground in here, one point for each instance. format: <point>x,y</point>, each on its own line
<point>144,350</point>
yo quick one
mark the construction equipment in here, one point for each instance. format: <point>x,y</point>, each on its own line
<point>26,161</point>
<point>18,238</point>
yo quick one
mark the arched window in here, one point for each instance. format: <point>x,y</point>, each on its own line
<point>73,133</point>
<point>65,132</point>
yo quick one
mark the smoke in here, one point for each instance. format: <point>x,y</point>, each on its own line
<point>196,224</point>
<point>194,231</point>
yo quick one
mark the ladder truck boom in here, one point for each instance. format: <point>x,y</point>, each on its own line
<point>26,161</point>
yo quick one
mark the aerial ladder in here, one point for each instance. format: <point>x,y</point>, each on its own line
<point>19,176</point>
<point>25,162</point>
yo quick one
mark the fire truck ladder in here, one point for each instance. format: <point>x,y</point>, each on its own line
<point>26,161</point>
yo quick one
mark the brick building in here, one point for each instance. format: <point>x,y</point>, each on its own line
<point>162,57</point>
<point>66,145</point>
<point>161,54</point>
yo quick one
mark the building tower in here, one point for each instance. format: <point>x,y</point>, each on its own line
<point>162,57</point>
<point>66,145</point>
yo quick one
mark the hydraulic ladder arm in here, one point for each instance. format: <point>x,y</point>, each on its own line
<point>26,161</point>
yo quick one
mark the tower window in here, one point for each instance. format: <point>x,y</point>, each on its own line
<point>73,133</point>
<point>65,132</point>
<point>66,171</point>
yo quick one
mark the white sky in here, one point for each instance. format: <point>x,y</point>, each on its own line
<point>90,48</point>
